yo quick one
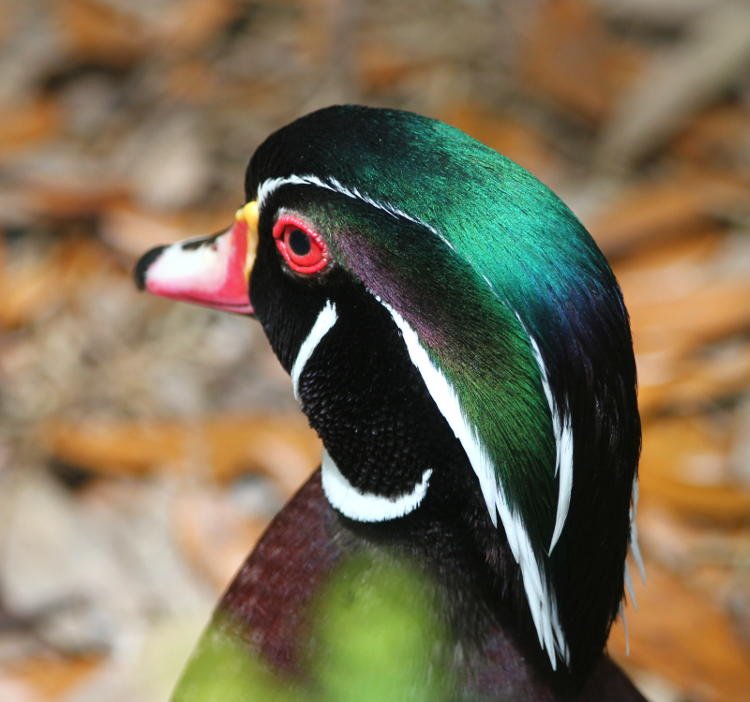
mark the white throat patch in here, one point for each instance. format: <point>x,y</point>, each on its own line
<point>367,506</point>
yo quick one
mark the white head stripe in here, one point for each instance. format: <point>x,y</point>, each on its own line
<point>269,186</point>
<point>367,506</point>
<point>326,319</point>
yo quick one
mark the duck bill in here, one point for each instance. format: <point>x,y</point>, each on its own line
<point>213,271</point>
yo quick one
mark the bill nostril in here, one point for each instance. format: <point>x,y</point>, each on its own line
<point>144,263</point>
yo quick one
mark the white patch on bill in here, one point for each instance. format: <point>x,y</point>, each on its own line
<point>196,269</point>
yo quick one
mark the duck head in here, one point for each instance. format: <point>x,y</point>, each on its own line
<point>455,337</point>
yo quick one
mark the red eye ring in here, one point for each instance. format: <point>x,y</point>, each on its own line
<point>301,246</point>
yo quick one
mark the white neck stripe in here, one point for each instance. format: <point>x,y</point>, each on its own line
<point>542,601</point>
<point>367,506</point>
<point>326,319</point>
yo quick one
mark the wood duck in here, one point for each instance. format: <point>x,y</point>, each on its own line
<point>461,346</point>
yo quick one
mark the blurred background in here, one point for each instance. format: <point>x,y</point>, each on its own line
<point>144,445</point>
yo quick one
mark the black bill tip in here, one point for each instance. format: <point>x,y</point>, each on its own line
<point>144,263</point>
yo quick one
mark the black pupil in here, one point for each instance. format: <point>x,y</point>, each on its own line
<point>299,242</point>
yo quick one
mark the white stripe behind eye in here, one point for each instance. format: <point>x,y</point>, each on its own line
<point>367,506</point>
<point>326,319</point>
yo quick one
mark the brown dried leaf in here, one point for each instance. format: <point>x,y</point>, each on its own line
<point>50,677</point>
<point>675,263</point>
<point>380,68</point>
<point>221,448</point>
<point>570,58</point>
<point>131,231</point>
<point>63,202</point>
<point>25,290</point>
<point>684,637</point>
<point>651,213</point>
<point>516,140</point>
<point>712,138</point>
<point>706,552</point>
<point>192,81</point>
<point>690,384</point>
<point>684,466</point>
<point>191,24</point>
<point>99,30</point>
<point>29,124</point>
<point>29,285</point>
<point>683,321</point>
<point>214,535</point>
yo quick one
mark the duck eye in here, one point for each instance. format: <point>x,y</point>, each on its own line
<point>302,247</point>
<point>298,242</point>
